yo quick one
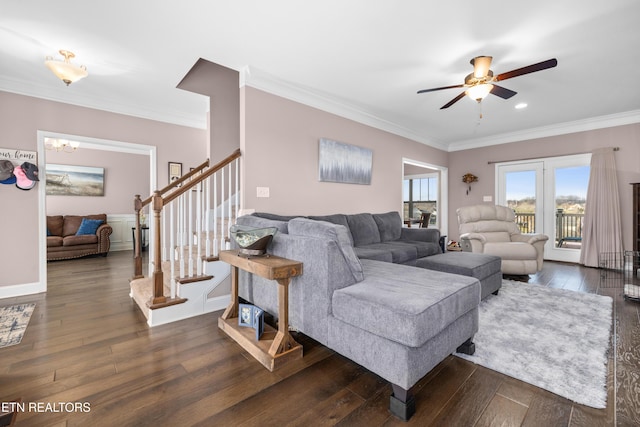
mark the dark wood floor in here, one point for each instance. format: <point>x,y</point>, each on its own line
<point>87,342</point>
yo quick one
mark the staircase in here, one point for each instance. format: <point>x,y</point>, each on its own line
<point>189,224</point>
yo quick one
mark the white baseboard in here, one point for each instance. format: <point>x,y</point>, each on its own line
<point>23,289</point>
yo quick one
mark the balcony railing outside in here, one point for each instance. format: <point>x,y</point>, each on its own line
<point>568,226</point>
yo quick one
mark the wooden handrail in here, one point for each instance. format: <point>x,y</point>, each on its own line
<point>202,177</point>
<point>177,182</point>
<point>157,201</point>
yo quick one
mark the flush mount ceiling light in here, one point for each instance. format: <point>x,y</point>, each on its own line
<point>64,69</point>
<point>61,145</point>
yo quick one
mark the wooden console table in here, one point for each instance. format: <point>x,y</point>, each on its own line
<point>274,348</point>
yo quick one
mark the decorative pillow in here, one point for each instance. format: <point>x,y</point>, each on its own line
<point>88,226</point>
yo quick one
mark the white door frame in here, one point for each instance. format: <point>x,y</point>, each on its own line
<point>545,197</point>
<point>443,192</point>
<point>85,143</point>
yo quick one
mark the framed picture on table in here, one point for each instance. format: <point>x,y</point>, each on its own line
<point>245,315</point>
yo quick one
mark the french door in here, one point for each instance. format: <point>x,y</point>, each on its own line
<point>549,197</point>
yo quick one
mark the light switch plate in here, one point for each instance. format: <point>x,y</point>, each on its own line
<point>262,191</point>
<point>487,198</point>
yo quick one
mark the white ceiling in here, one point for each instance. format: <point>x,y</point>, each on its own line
<point>364,59</point>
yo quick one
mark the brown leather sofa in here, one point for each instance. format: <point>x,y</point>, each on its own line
<point>63,242</point>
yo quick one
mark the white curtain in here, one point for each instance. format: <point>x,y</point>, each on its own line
<point>602,228</point>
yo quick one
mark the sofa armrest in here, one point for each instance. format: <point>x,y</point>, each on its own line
<point>529,238</point>
<point>103,232</point>
<point>472,242</point>
<point>421,234</point>
<point>474,236</point>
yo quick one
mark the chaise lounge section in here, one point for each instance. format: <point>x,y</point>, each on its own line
<point>399,321</point>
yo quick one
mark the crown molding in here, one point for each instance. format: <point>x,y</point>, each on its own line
<point>612,120</point>
<point>255,78</point>
<point>49,93</point>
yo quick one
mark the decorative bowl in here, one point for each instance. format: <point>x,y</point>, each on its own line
<point>252,241</point>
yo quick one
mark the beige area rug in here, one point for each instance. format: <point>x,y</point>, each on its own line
<point>13,323</point>
<point>555,339</point>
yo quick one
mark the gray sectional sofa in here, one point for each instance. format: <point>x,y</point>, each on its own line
<point>380,237</point>
<point>362,295</point>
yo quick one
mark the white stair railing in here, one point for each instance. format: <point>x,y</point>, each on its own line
<point>192,218</point>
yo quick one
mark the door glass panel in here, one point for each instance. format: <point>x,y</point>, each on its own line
<point>520,195</point>
<point>570,199</point>
<point>420,195</point>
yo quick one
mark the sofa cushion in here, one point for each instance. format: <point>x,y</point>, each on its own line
<point>340,219</point>
<point>424,249</point>
<point>389,225</point>
<point>363,229</point>
<point>72,223</point>
<point>275,217</point>
<point>83,239</point>
<point>53,241</point>
<point>400,253</point>
<point>88,226</point>
<point>260,222</point>
<point>465,263</point>
<point>54,225</point>
<point>405,304</point>
<point>335,232</point>
<point>377,254</point>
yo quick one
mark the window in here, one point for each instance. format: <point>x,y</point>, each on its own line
<point>420,194</point>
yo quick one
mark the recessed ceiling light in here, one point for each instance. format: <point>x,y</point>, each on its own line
<point>521,105</point>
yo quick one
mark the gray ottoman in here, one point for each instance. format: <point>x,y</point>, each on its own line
<point>485,268</point>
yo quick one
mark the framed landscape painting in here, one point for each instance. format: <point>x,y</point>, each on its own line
<point>67,180</point>
<point>339,162</point>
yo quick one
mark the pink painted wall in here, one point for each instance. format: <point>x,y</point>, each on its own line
<point>124,174</point>
<point>475,161</point>
<point>279,140</point>
<point>20,119</point>
<point>220,84</point>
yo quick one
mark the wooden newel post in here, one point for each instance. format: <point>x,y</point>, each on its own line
<point>158,282</point>
<point>137,257</point>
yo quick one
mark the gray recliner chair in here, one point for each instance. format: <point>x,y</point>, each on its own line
<point>492,230</point>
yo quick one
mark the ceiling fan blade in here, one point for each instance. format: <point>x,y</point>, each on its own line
<point>550,63</point>
<point>481,66</point>
<point>502,92</point>
<point>439,88</point>
<point>453,101</point>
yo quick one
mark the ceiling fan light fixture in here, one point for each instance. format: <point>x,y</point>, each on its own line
<point>64,69</point>
<point>479,92</point>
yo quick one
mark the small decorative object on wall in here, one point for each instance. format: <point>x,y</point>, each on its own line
<point>175,171</point>
<point>339,162</point>
<point>468,178</point>
<point>18,156</point>
<point>68,180</point>
<point>18,168</point>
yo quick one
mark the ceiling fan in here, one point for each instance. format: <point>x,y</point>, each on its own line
<point>480,83</point>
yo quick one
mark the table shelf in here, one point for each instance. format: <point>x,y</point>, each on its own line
<point>275,347</point>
